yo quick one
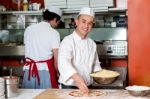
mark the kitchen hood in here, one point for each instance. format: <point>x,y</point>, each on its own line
<point>76,10</point>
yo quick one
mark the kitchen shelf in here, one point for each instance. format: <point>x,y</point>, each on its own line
<point>113,56</point>
<point>14,24</point>
<point>22,12</point>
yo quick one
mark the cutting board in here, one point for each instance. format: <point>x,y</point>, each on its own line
<point>55,94</point>
<point>49,94</point>
<point>59,94</point>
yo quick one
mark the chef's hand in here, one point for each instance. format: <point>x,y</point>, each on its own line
<point>80,83</point>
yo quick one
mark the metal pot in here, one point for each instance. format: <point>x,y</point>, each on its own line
<point>11,85</point>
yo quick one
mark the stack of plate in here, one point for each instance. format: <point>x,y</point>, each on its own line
<point>2,88</point>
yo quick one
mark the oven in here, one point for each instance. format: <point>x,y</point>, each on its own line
<point>112,49</point>
<point>109,50</point>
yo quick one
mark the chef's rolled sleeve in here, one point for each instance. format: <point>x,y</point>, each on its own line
<point>97,66</point>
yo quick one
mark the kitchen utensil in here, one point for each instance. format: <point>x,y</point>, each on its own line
<point>102,80</point>
<point>138,90</point>
<point>11,83</point>
<point>104,76</point>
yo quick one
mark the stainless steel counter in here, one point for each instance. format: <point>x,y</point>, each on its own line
<point>12,51</point>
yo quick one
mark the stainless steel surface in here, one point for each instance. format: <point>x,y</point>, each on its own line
<point>22,12</point>
<point>99,34</point>
<point>113,48</point>
<point>11,84</point>
<point>15,22</point>
<point>12,51</point>
<point>101,80</point>
<point>4,36</point>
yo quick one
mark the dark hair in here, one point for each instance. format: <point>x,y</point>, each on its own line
<point>47,15</point>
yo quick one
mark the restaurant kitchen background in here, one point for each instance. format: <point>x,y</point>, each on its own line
<point>110,32</point>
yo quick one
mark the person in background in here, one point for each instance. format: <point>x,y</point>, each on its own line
<point>61,24</point>
<point>72,23</point>
<point>41,51</point>
<point>77,56</point>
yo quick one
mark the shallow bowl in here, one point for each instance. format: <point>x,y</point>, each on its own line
<point>138,90</point>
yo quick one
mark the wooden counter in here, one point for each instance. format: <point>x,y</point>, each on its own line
<point>63,94</point>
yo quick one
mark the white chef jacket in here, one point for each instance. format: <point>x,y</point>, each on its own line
<point>77,55</point>
<point>39,40</point>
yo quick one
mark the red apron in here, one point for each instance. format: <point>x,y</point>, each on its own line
<point>34,71</point>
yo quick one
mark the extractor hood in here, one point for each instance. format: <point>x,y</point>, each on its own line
<point>76,10</point>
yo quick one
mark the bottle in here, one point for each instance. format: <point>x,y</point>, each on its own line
<point>30,6</point>
<point>18,2</point>
<point>25,5</point>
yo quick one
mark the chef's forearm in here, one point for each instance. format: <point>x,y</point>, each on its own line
<point>55,51</point>
<point>76,77</point>
<point>80,83</point>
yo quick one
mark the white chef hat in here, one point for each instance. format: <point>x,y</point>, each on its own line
<point>55,10</point>
<point>87,11</point>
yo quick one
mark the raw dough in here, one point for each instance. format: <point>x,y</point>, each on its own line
<point>105,74</point>
<point>93,93</point>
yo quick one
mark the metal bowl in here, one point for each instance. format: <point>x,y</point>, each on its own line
<point>101,80</point>
<point>11,84</point>
<point>104,76</point>
<point>138,90</point>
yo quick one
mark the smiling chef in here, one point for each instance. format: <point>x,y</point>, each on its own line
<point>77,56</point>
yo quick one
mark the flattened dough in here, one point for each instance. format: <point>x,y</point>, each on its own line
<point>93,93</point>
